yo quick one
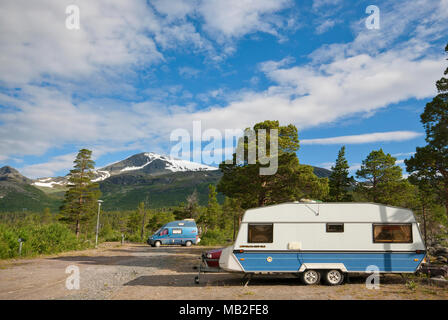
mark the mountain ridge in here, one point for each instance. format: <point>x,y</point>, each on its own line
<point>167,181</point>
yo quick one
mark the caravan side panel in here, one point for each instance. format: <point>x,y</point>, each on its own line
<point>403,262</point>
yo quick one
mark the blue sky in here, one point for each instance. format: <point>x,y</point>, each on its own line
<point>137,70</point>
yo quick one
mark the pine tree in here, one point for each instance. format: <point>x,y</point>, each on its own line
<point>431,160</point>
<point>143,213</point>
<point>209,218</point>
<point>133,223</point>
<point>242,180</point>
<point>80,199</point>
<point>231,215</point>
<point>192,205</point>
<point>47,217</point>
<point>382,181</point>
<point>339,182</point>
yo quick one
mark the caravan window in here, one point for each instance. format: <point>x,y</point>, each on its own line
<point>392,233</point>
<point>260,233</point>
<point>335,227</point>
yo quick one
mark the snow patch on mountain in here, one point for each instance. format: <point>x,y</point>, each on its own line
<point>176,165</point>
<point>103,175</point>
<point>172,164</point>
<point>48,183</point>
<point>136,168</point>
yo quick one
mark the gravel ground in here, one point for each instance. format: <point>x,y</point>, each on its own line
<point>140,272</point>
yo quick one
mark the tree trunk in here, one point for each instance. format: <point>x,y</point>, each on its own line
<point>234,228</point>
<point>446,197</point>
<point>78,227</point>
<point>143,224</point>
<point>446,205</point>
<point>424,224</point>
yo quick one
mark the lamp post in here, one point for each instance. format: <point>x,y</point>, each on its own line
<point>98,223</point>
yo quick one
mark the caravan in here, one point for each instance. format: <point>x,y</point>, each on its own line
<point>327,240</point>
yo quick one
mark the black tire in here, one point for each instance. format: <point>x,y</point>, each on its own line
<point>188,243</point>
<point>157,244</point>
<point>334,277</point>
<point>310,277</point>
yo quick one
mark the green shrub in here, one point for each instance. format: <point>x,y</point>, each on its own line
<point>38,239</point>
<point>215,237</point>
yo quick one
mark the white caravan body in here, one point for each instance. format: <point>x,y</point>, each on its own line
<point>351,237</point>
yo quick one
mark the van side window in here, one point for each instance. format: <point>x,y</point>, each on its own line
<point>260,233</point>
<point>177,231</point>
<point>392,233</point>
<point>164,232</point>
<point>335,227</point>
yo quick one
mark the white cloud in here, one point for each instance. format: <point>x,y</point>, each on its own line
<point>235,18</point>
<point>325,26</point>
<point>423,20</point>
<point>365,138</point>
<point>403,154</point>
<point>318,4</point>
<point>119,37</point>
<point>326,165</point>
<point>189,72</point>
<point>309,96</point>
<point>175,9</point>
<point>48,169</point>
<point>354,167</point>
<point>41,118</point>
<point>35,42</point>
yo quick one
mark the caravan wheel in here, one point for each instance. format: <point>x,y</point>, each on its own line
<point>310,277</point>
<point>334,277</point>
<point>157,244</point>
<point>188,243</point>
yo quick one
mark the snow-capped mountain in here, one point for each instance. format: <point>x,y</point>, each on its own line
<point>149,163</point>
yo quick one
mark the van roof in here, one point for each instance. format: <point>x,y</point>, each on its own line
<point>181,223</point>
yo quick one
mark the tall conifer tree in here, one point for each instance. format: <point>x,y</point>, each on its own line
<point>80,199</point>
<point>339,182</point>
<point>431,161</point>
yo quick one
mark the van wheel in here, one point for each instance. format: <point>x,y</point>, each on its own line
<point>188,243</point>
<point>310,277</point>
<point>334,277</point>
<point>157,244</point>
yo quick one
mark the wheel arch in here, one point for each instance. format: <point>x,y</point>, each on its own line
<point>323,266</point>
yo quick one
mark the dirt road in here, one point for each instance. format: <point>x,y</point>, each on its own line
<point>142,272</point>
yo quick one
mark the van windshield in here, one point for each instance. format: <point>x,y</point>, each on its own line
<point>157,232</point>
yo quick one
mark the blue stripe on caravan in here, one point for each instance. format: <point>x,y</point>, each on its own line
<point>355,262</point>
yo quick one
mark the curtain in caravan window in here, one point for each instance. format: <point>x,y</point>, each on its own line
<point>392,233</point>
<point>260,233</point>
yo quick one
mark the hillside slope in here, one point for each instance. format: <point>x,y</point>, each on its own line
<point>17,193</point>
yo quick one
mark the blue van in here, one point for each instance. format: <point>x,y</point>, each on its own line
<point>183,232</point>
